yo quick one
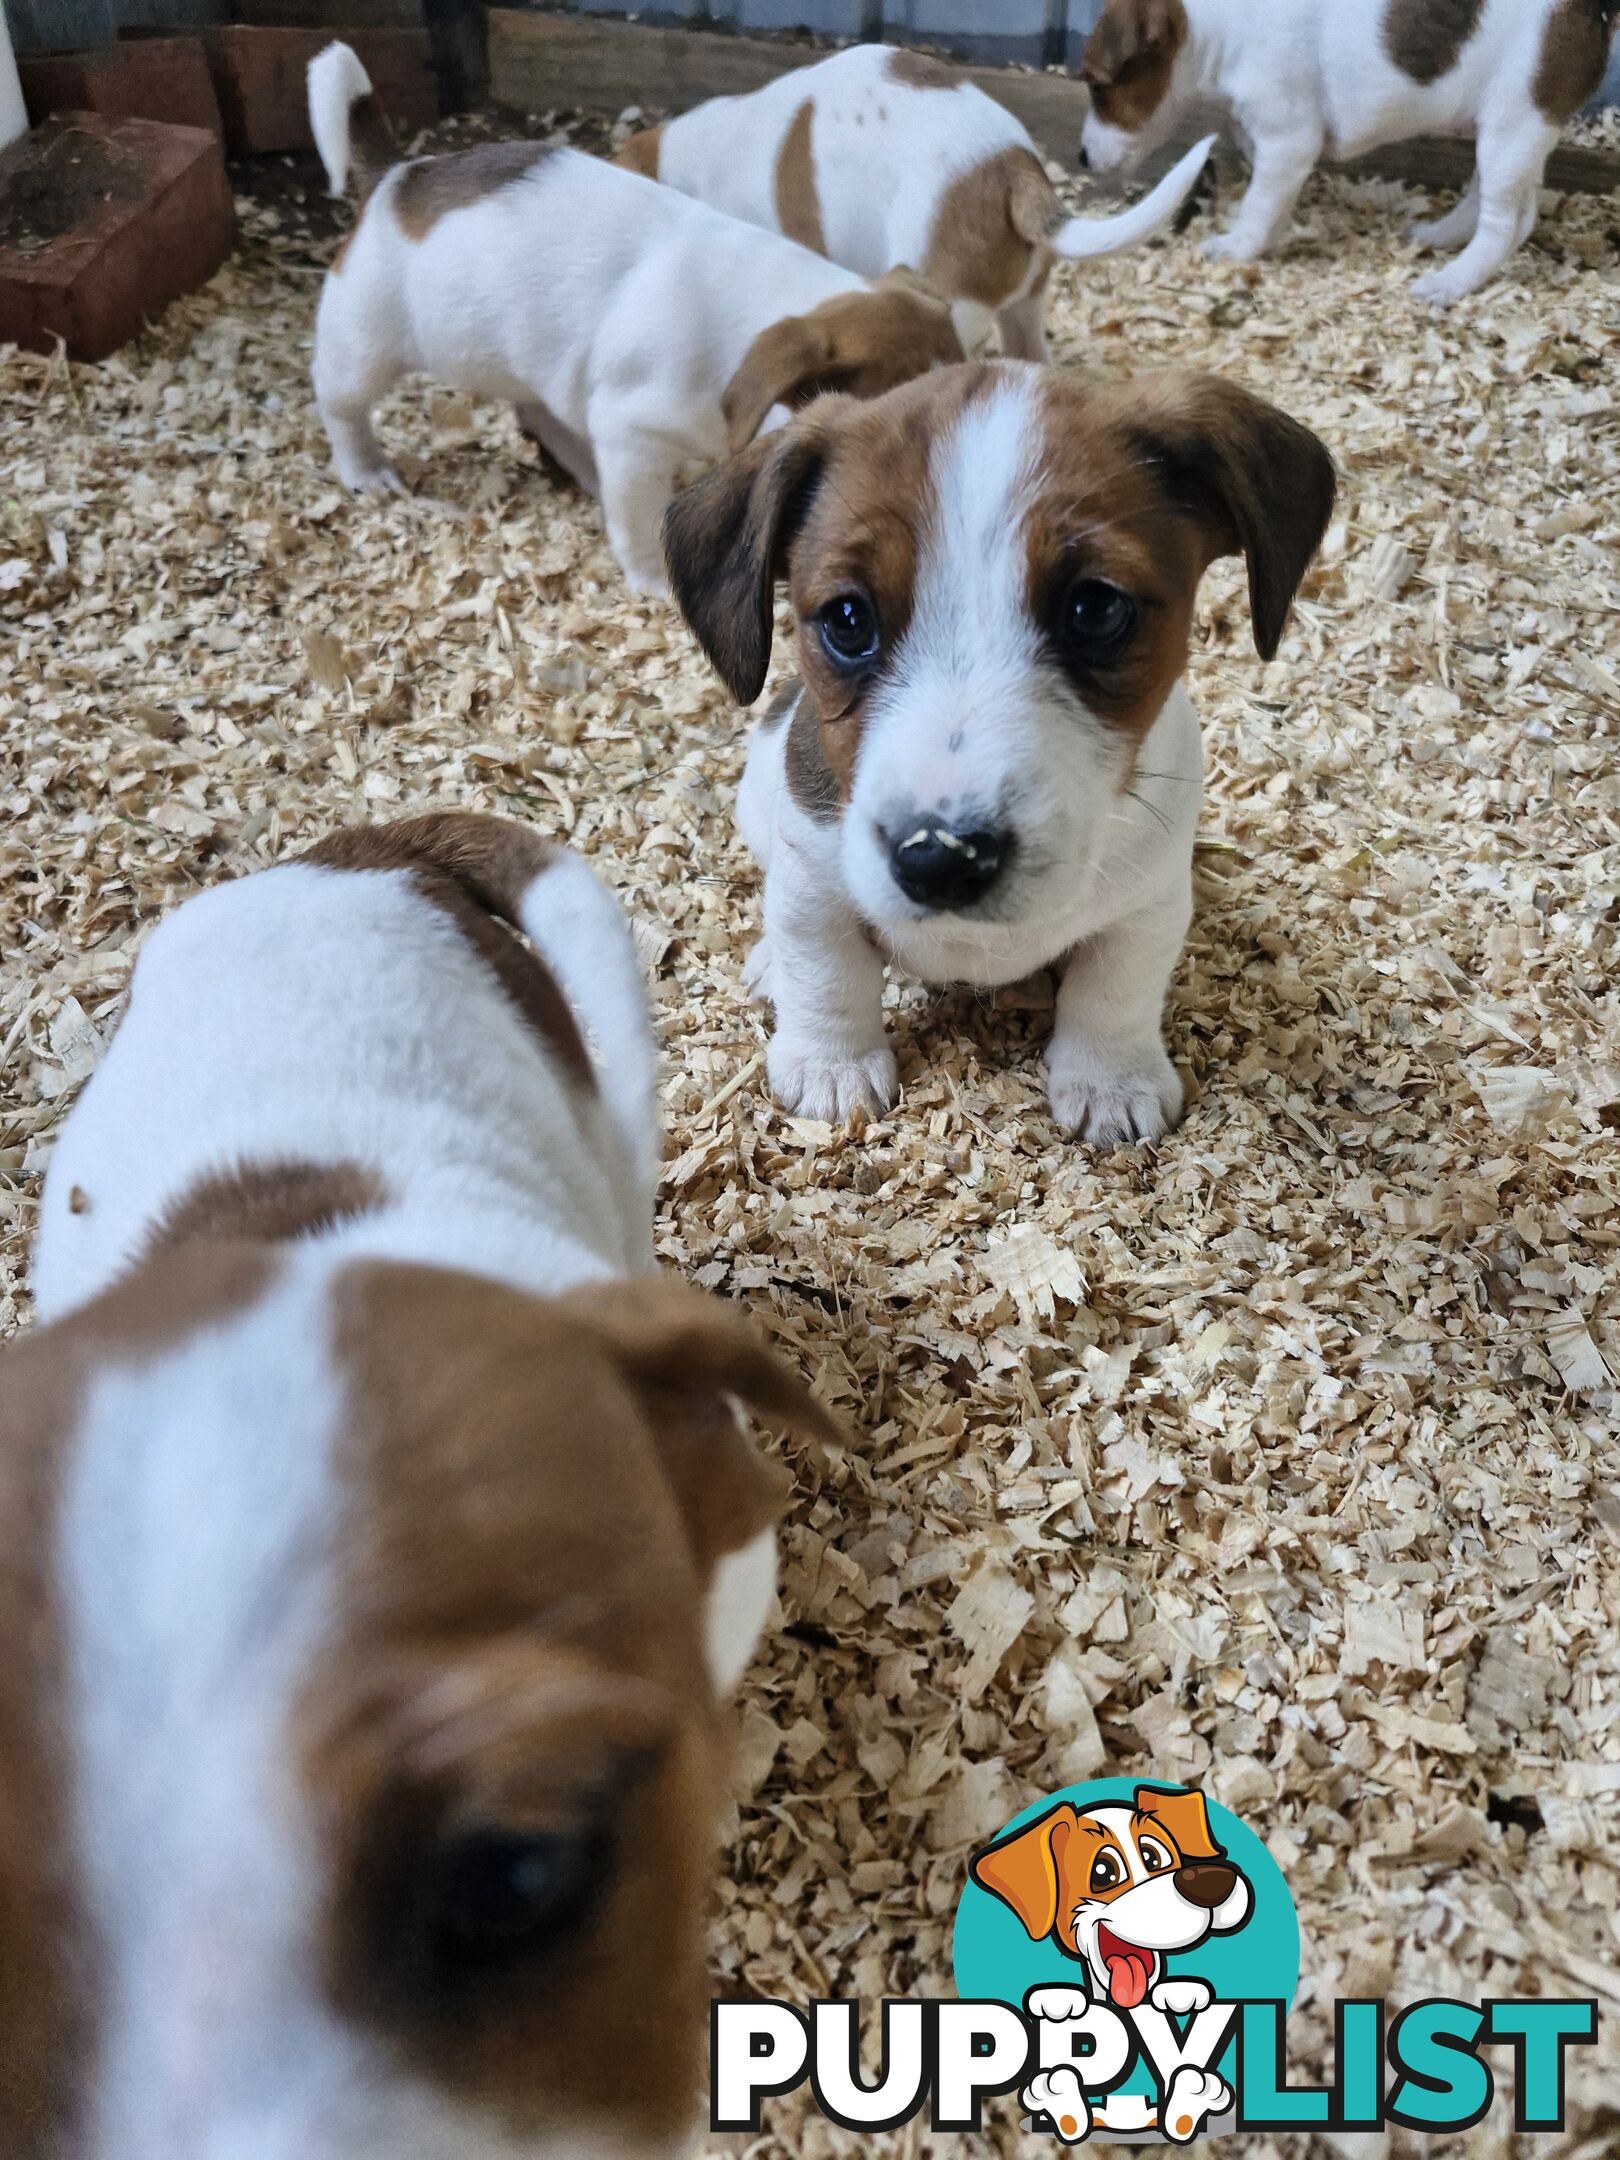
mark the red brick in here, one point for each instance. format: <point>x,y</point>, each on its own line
<point>104,222</point>
<point>146,76</point>
<point>259,75</point>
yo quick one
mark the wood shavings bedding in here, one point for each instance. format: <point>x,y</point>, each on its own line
<point>1281,1457</point>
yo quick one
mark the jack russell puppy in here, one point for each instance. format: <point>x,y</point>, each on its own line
<point>377,1545</point>
<point>614,314</point>
<point>1306,78</point>
<point>989,763</point>
<point>881,157</point>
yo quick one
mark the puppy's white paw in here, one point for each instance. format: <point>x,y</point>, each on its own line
<point>756,973</point>
<point>1061,2098</point>
<point>648,581</point>
<point>1181,1998</point>
<point>362,479</point>
<point>809,1084</point>
<point>1230,247</point>
<point>1444,288</point>
<point>1106,1099</point>
<point>1191,2098</point>
<point>1057,2005</point>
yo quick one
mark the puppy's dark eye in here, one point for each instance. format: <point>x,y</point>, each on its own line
<point>849,629</point>
<point>493,1895</point>
<point>1096,621</point>
<point>1106,1872</point>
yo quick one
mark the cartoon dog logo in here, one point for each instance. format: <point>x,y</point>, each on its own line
<point>1121,1888</point>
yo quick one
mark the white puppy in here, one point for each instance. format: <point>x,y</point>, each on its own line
<point>614,314</point>
<point>1302,78</point>
<point>881,157</point>
<point>990,765</point>
<point>376,1541</point>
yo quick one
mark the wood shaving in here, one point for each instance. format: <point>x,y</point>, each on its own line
<point>1280,1456</point>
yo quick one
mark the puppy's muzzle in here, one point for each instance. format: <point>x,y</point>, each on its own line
<point>947,867</point>
<point>1206,1883</point>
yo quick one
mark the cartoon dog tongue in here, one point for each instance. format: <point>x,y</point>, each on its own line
<point>1129,1969</point>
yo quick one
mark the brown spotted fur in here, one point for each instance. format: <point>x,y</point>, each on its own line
<point>476,869</point>
<point>1130,56</point>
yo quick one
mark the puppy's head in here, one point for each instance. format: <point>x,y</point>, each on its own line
<point>1129,67</point>
<point>389,1619</point>
<point>1120,1888</point>
<point>993,573</point>
<point>861,343</point>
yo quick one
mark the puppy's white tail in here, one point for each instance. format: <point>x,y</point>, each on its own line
<point>349,126</point>
<point>1078,238</point>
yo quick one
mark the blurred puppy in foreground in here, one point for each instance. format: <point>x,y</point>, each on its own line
<point>987,762</point>
<point>377,1542</point>
<point>614,314</point>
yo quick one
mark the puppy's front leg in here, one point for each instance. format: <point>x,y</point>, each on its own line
<point>828,1054</point>
<point>1108,1073</point>
<point>1282,165</point>
<point>637,471</point>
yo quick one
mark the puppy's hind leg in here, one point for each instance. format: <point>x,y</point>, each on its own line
<point>1456,228</point>
<point>349,382</point>
<point>1513,155</point>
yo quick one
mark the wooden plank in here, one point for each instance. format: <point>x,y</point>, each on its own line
<point>541,63</point>
<point>323,15</point>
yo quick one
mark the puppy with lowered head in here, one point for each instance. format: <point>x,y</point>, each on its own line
<point>988,763</point>
<point>612,313</point>
<point>880,157</point>
<point>377,1545</point>
<point>1300,79</point>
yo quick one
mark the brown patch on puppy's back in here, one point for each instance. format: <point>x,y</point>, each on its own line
<point>1574,58</point>
<point>920,71</point>
<point>1425,38</point>
<point>641,152</point>
<point>270,1203</point>
<point>476,869</point>
<point>798,208</point>
<point>1130,57</point>
<point>988,222</point>
<point>431,188</point>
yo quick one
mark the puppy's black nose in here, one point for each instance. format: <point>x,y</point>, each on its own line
<point>947,866</point>
<point>1085,158</point>
<point>1206,1882</point>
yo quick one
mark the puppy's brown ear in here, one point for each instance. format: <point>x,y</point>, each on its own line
<point>1184,1815</point>
<point>1257,484</point>
<point>785,365</point>
<point>1130,31</point>
<point>1026,1870</point>
<point>683,1355</point>
<point>726,540</point>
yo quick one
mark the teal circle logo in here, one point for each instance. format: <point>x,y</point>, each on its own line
<point>1117,1914</point>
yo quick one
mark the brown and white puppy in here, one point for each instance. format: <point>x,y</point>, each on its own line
<point>990,764</point>
<point>612,313</point>
<point>1298,80</point>
<point>878,158</point>
<point>376,1543</point>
